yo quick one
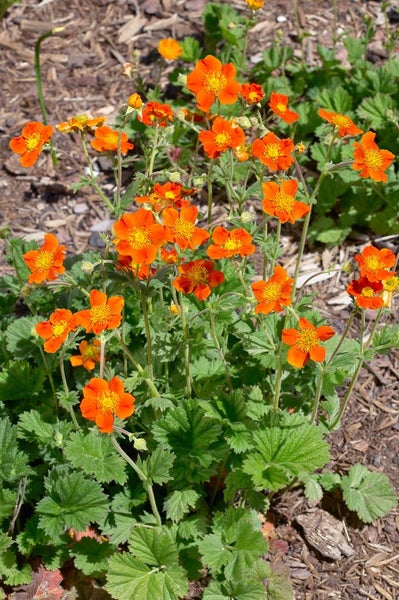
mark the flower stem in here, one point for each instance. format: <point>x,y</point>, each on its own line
<point>93,180</point>
<point>142,477</point>
<point>138,366</point>
<point>219,348</point>
<point>184,325</point>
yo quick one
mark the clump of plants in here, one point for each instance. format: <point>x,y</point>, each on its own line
<point>158,396</point>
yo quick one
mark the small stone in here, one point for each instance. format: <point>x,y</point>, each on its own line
<point>81,208</point>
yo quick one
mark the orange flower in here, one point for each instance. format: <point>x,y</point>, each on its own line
<point>81,123</point>
<point>305,343</point>
<point>279,201</point>
<point>30,143</point>
<point>89,355</point>
<point>108,140</point>
<point>139,236</point>
<point>198,277</point>
<point>181,229</point>
<point>167,194</point>
<point>275,293</point>
<point>221,137</point>
<point>252,92</point>
<point>156,114</point>
<point>213,80</point>
<point>367,294</point>
<point>278,104</point>
<point>390,287</point>
<point>242,153</point>
<point>343,124</point>
<point>370,160</point>
<point>169,48</point>
<point>47,262</point>
<point>169,256</point>
<point>255,4</point>
<point>102,400</point>
<point>374,263</point>
<point>104,313</point>
<point>273,152</point>
<point>56,330</point>
<point>230,243</point>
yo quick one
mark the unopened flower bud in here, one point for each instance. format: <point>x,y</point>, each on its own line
<point>243,122</point>
<point>348,267</point>
<point>87,267</point>
<point>175,177</point>
<point>182,78</point>
<point>128,69</point>
<point>174,309</point>
<point>199,181</point>
<point>135,101</point>
<point>140,444</point>
<point>247,217</point>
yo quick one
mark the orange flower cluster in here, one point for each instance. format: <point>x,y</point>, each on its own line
<point>237,242</point>
<point>181,229</point>
<point>47,262</point>
<point>279,201</point>
<point>139,236</point>
<point>370,160</point>
<point>107,139</point>
<point>275,293</point>
<point>166,194</point>
<point>89,355</point>
<point>273,152</point>
<point>211,80</point>
<point>343,124</point>
<point>305,343</point>
<point>374,288</point>
<point>278,104</point>
<point>80,123</point>
<point>31,141</point>
<point>252,93</point>
<point>156,114</point>
<point>198,277</point>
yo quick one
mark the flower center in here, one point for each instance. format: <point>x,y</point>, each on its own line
<point>373,159</point>
<point>170,195</point>
<point>91,352</point>
<point>198,274</point>
<point>222,139</point>
<point>139,238</point>
<point>44,260</point>
<point>372,263</point>
<point>368,292</point>
<point>59,328</point>
<point>341,121</point>
<point>33,141</point>
<point>233,245</point>
<point>184,228</point>
<point>108,401</point>
<point>308,339</point>
<point>215,82</point>
<point>271,291</point>
<point>100,314</point>
<point>272,151</point>
<point>281,107</point>
<point>284,202</point>
<point>111,139</point>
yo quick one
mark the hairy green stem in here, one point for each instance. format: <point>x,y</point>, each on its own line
<point>219,348</point>
<point>93,180</point>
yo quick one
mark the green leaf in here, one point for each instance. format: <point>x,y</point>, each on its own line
<point>91,556</point>
<point>370,494</point>
<point>128,578</point>
<point>31,426</point>
<point>179,502</point>
<point>7,502</point>
<point>21,381</point>
<point>21,338</point>
<point>73,500</point>
<point>373,110</point>
<point>121,519</point>
<point>155,547</point>
<point>244,590</point>
<point>282,450</point>
<point>157,466</point>
<point>214,552</point>
<point>339,100</point>
<point>13,462</point>
<point>95,455</point>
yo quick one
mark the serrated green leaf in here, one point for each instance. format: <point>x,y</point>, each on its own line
<point>20,337</point>
<point>245,590</point>
<point>13,462</point>
<point>21,381</point>
<point>91,556</point>
<point>157,466</point>
<point>280,453</point>
<point>128,578</point>
<point>215,553</point>
<point>121,520</point>
<point>313,490</point>
<point>248,547</point>
<point>370,494</point>
<point>374,109</point>
<point>155,547</point>
<point>179,502</point>
<point>95,455</point>
<point>339,101</point>
<point>31,426</point>
<point>73,500</point>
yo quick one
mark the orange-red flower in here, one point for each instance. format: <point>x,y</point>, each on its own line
<point>139,236</point>
<point>102,400</point>
<point>198,277</point>
<point>169,256</point>
<point>142,272</point>
<point>370,160</point>
<point>156,114</point>
<point>278,104</point>
<point>166,194</point>
<point>237,242</point>
<point>279,201</point>
<point>31,141</point>
<point>367,294</point>
<point>305,342</point>
<point>108,140</point>
<point>56,330</point>
<point>135,101</point>
<point>213,80</point>
<point>89,355</point>
<point>275,293</point>
<point>104,313</point>
<point>273,152</point>
<point>81,123</point>
<point>169,48</point>
<point>221,137</point>
<point>343,124</point>
<point>181,229</point>
<point>252,92</point>
<point>255,4</point>
<point>46,263</point>
<point>374,263</point>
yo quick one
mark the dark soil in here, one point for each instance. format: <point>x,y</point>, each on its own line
<point>82,72</point>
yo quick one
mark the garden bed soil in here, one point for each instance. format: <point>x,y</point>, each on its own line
<point>82,70</point>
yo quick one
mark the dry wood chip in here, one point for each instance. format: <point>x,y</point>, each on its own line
<point>324,533</point>
<point>129,29</point>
